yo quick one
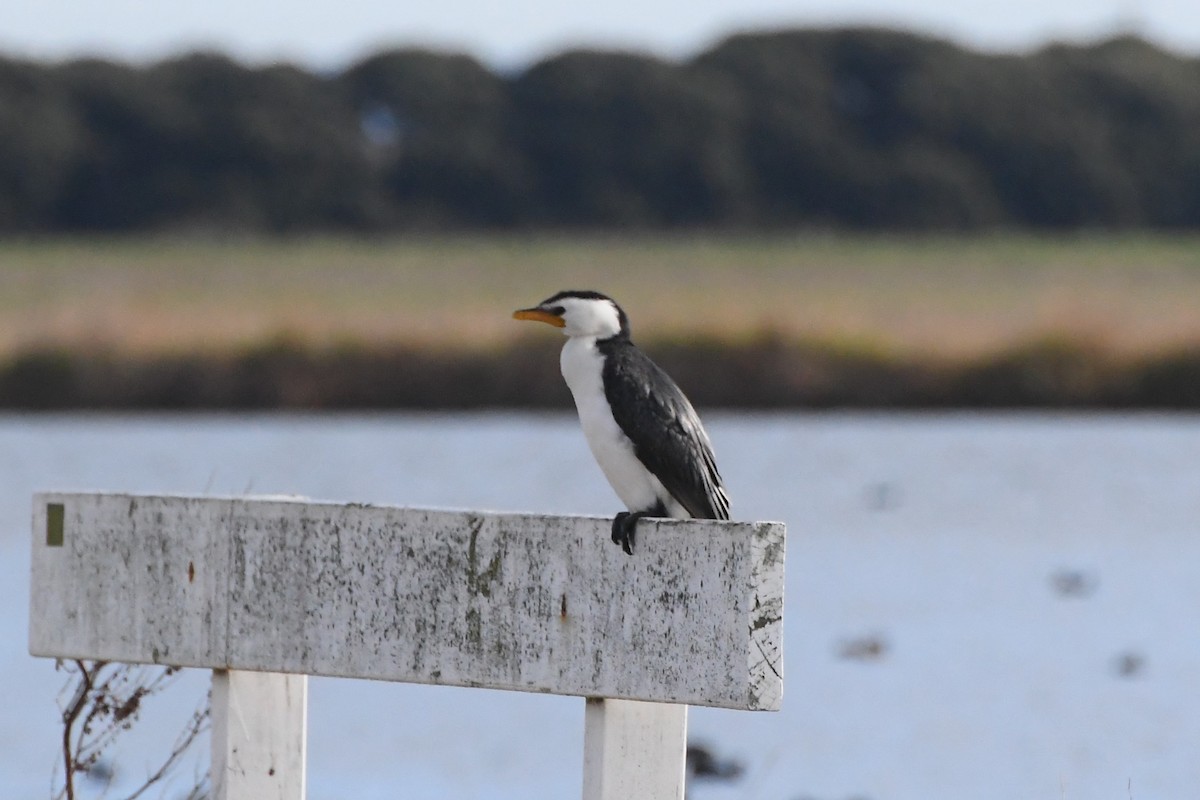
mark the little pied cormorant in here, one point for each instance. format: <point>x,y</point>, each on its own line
<point>642,430</point>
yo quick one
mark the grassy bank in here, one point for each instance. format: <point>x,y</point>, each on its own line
<point>1110,321</point>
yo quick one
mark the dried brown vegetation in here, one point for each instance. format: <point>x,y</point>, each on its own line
<point>800,321</point>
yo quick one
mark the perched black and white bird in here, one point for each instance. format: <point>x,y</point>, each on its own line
<point>640,427</point>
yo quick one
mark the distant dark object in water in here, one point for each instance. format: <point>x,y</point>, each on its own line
<point>703,764</point>
<point>1074,583</point>
<point>882,496</point>
<point>865,648</point>
<point>102,772</point>
<point>1129,664</point>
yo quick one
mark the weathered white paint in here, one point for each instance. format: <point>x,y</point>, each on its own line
<point>634,750</point>
<point>505,601</point>
<point>259,731</point>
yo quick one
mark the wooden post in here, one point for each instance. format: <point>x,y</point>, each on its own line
<point>633,749</point>
<point>273,590</point>
<point>259,733</point>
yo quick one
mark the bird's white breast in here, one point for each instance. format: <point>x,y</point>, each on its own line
<point>582,368</point>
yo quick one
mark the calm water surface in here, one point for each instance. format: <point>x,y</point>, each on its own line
<point>977,606</point>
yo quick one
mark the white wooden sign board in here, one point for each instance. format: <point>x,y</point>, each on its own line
<point>461,598</point>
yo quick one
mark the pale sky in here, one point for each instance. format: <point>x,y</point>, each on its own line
<point>510,34</point>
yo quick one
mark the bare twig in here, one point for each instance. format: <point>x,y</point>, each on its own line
<point>196,726</point>
<point>105,700</point>
<point>70,715</point>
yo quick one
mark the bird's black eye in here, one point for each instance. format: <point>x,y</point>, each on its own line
<point>557,310</point>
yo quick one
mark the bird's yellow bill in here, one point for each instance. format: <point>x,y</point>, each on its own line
<point>538,315</point>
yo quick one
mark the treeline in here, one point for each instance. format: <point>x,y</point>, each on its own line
<point>855,128</point>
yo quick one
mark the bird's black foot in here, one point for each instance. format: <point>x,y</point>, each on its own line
<point>624,527</point>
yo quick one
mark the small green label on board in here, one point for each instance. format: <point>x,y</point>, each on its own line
<point>54,524</point>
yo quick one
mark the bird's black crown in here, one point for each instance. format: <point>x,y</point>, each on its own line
<point>582,294</point>
<point>588,294</point>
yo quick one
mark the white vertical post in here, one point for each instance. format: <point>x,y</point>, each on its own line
<point>633,749</point>
<point>259,735</point>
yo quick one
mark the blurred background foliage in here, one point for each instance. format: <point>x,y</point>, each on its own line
<point>832,129</point>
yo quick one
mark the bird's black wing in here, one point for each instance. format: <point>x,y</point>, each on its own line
<point>666,432</point>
